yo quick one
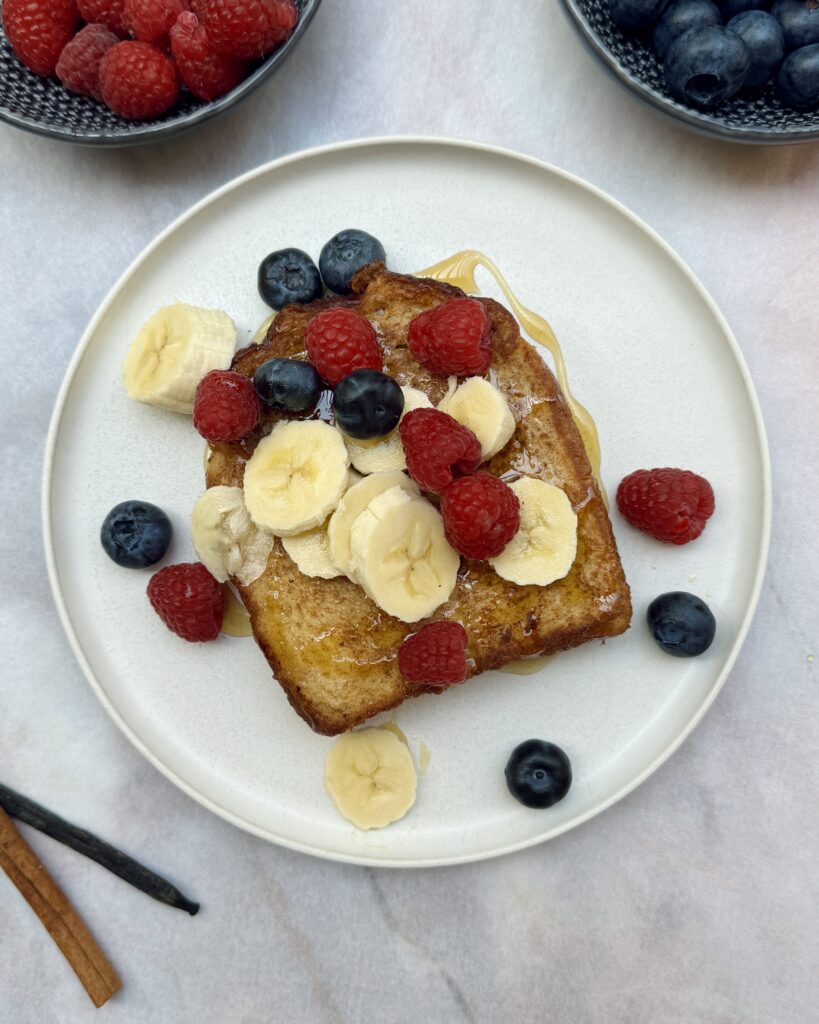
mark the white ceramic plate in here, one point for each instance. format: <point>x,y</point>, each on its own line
<point>648,353</point>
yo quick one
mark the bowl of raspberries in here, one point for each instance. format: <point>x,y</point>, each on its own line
<point>746,70</point>
<point>122,72</point>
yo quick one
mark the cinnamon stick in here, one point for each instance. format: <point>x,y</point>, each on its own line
<point>53,908</point>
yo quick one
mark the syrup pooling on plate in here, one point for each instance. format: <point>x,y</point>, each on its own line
<point>236,621</point>
<point>459,271</point>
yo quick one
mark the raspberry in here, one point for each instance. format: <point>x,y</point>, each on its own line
<point>339,341</point>
<point>38,30</point>
<point>672,505</point>
<point>452,338</point>
<point>205,72</point>
<point>137,81</point>
<point>226,407</point>
<point>79,65</point>
<point>437,448</point>
<point>151,20</point>
<point>188,600</point>
<point>105,12</point>
<point>481,515</point>
<point>435,655</point>
<point>247,28</point>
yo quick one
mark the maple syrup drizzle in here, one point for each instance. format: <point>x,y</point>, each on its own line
<point>236,621</point>
<point>459,270</point>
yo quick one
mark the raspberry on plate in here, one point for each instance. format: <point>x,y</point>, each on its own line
<point>452,338</point>
<point>137,81</point>
<point>151,20</point>
<point>205,72</point>
<point>339,341</point>
<point>481,515</point>
<point>79,65</point>
<point>672,505</point>
<point>104,12</point>
<point>189,601</point>
<point>248,29</point>
<point>226,407</point>
<point>435,655</point>
<point>437,448</point>
<point>38,30</point>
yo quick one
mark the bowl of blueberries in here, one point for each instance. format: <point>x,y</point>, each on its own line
<point>745,70</point>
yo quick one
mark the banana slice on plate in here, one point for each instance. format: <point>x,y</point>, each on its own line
<point>481,406</point>
<point>385,453</point>
<point>296,476</point>
<point>544,548</point>
<point>226,539</point>
<point>357,498</point>
<point>173,351</point>
<point>401,557</point>
<point>311,553</point>
<point>371,777</point>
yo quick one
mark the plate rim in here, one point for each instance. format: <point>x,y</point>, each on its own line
<point>362,858</point>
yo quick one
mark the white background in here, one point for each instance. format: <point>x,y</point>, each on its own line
<point>694,899</point>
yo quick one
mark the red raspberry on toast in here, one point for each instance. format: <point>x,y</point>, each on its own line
<point>226,407</point>
<point>437,448</point>
<point>435,655</point>
<point>453,338</point>
<point>481,515</point>
<point>339,341</point>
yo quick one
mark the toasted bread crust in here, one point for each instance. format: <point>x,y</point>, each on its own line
<point>330,647</point>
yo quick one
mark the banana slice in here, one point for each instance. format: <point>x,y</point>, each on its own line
<point>371,777</point>
<point>173,351</point>
<point>544,548</point>
<point>357,498</point>
<point>296,476</point>
<point>385,453</point>
<point>481,406</point>
<point>261,333</point>
<point>311,553</point>
<point>226,540</point>
<point>401,557</point>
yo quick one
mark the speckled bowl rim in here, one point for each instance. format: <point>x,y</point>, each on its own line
<point>142,134</point>
<point>703,123</point>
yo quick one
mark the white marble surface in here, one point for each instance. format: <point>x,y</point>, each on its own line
<point>694,900</point>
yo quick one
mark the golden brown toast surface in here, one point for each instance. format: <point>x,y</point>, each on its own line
<point>331,648</point>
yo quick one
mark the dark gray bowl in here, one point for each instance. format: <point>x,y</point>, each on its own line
<point>43,106</point>
<point>760,118</point>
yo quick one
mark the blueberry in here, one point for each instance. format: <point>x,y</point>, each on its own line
<point>538,773</point>
<point>798,79</point>
<point>681,623</point>
<point>681,18</point>
<point>290,384</point>
<point>288,276</point>
<point>368,404</point>
<point>706,66</point>
<point>762,34</point>
<point>731,8</point>
<point>345,254</point>
<point>136,534</point>
<point>799,20</point>
<point>635,15</point>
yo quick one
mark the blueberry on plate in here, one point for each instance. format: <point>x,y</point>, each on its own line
<point>136,534</point>
<point>538,773</point>
<point>290,384</point>
<point>798,80</point>
<point>681,623</point>
<point>731,8</point>
<point>706,66</point>
<point>635,15</point>
<point>368,404</point>
<point>762,35</point>
<point>344,255</point>
<point>680,18</point>
<point>288,276</point>
<point>799,20</point>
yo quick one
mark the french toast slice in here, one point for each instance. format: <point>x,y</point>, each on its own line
<point>330,647</point>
